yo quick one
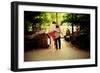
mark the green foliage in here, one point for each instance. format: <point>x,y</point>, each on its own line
<point>36,20</point>
<point>43,18</point>
<point>76,18</point>
<point>28,26</point>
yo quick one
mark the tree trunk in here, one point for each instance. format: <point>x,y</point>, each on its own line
<point>57,18</point>
<point>72,24</point>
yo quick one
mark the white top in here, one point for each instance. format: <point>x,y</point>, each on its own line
<point>57,34</point>
<point>53,27</point>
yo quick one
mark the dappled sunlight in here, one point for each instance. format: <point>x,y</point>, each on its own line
<point>68,32</point>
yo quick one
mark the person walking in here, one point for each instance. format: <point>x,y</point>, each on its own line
<point>52,33</point>
<point>57,37</point>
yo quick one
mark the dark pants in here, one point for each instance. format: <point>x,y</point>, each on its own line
<point>58,43</point>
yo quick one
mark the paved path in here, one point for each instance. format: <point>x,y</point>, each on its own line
<point>66,52</point>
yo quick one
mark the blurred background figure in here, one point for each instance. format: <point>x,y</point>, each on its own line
<point>67,36</point>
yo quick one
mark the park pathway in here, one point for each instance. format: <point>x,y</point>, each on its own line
<point>67,52</point>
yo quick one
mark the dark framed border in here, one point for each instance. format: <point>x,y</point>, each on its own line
<point>14,35</point>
